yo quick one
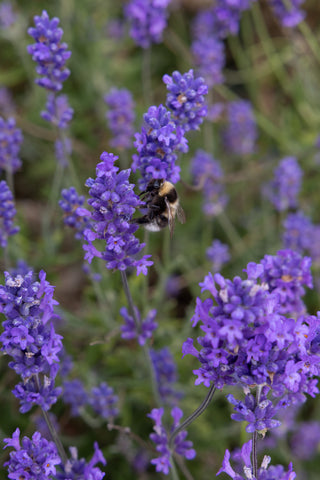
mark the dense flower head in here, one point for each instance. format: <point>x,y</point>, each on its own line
<point>79,469</point>
<point>103,401</point>
<point>265,472</point>
<point>288,11</point>
<point>72,205</point>
<point>113,202</point>
<point>143,331</point>
<point>166,375</point>
<point>58,111</point>
<point>298,229</point>
<point>186,99</point>
<point>49,52</point>
<point>7,213</point>
<point>284,189</point>
<point>10,142</point>
<point>247,340</point>
<point>286,274</point>
<point>75,395</point>
<point>120,116</point>
<point>207,174</point>
<point>160,437</point>
<point>30,339</point>
<point>241,132</point>
<point>34,458</point>
<point>157,144</point>
<point>147,19</point>
<point>7,16</point>
<point>218,253</point>
<point>208,53</point>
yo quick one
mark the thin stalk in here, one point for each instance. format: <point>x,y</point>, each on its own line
<point>193,416</point>
<point>173,471</point>
<point>231,232</point>
<point>255,438</point>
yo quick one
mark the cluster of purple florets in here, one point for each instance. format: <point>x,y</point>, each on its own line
<point>113,203</point>
<point>161,438</point>
<point>10,142</point>
<point>120,116</point>
<point>186,99</point>
<point>247,338</point>
<point>166,375</point>
<point>241,132</point>
<point>207,174</point>
<point>284,189</point>
<point>288,12</point>
<point>75,216</point>
<point>49,52</point>
<point>7,214</point>
<point>147,19</point>
<point>143,331</point>
<point>58,112</point>
<point>29,338</point>
<point>157,145</point>
<point>218,254</point>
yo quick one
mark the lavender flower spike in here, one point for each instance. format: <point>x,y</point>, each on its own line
<point>241,133</point>
<point>120,117</point>
<point>10,141</point>
<point>113,202</point>
<point>49,52</point>
<point>78,468</point>
<point>186,99</point>
<point>288,11</point>
<point>74,216</point>
<point>144,331</point>
<point>7,213</point>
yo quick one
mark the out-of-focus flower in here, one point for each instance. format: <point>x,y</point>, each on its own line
<point>207,173</point>
<point>305,440</point>
<point>241,133</point>
<point>7,106</point>
<point>284,189</point>
<point>288,12</point>
<point>218,254</point>
<point>7,214</point>
<point>120,117</point>
<point>103,401</point>
<point>10,141</point>
<point>160,437</point>
<point>297,234</point>
<point>49,52</point>
<point>209,58</point>
<point>30,339</point>
<point>7,15</point>
<point>34,458</point>
<point>58,112</point>
<point>186,99</point>
<point>74,394</point>
<point>78,468</point>
<point>72,204</point>
<point>143,331</point>
<point>166,375</point>
<point>113,202</point>
<point>157,147</point>
<point>147,19</point>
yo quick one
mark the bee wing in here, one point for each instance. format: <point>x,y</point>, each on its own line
<point>181,215</point>
<point>170,217</point>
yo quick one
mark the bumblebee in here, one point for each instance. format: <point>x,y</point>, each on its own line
<point>162,203</point>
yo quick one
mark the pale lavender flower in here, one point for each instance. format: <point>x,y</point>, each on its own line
<point>120,116</point>
<point>7,16</point>
<point>7,106</point>
<point>58,112</point>
<point>63,149</point>
<point>166,375</point>
<point>305,440</point>
<point>72,205</point>
<point>143,331</point>
<point>103,401</point>
<point>284,189</point>
<point>78,468</point>
<point>7,214</point>
<point>147,19</point>
<point>288,11</point>
<point>74,394</point>
<point>218,253</point>
<point>298,232</point>
<point>10,141</point>
<point>209,58</point>
<point>241,133</point>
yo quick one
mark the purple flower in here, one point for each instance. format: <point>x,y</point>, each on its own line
<point>58,112</point>
<point>74,395</point>
<point>10,141</point>
<point>103,401</point>
<point>7,213</point>
<point>157,144</point>
<point>207,173</point>
<point>63,149</point>
<point>265,472</point>
<point>75,215</point>
<point>113,202</point>
<point>288,11</point>
<point>305,440</point>
<point>147,19</point>
<point>218,254</point>
<point>34,458</point>
<point>29,338</point>
<point>186,99</point>
<point>120,117</point>
<point>209,58</point>
<point>166,375</point>
<point>49,52</point>
<point>241,133</point>
<point>7,15</point>
<point>160,438</point>
<point>298,232</point>
<point>7,106</point>
<point>143,331</point>
<point>78,469</point>
<point>286,274</point>
<point>284,189</point>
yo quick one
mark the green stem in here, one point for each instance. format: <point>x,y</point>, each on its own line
<point>146,76</point>
<point>255,438</point>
